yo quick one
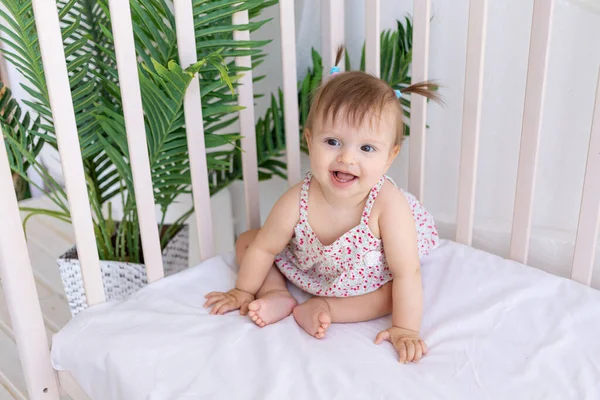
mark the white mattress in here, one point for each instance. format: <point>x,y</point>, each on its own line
<point>496,330</point>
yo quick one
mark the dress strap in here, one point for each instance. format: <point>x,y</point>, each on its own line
<point>304,196</point>
<point>389,178</point>
<point>371,200</point>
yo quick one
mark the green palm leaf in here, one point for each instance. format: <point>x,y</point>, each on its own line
<point>91,64</point>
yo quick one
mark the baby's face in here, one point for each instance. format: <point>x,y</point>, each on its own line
<point>347,159</point>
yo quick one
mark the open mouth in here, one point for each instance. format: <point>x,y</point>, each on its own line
<point>343,177</point>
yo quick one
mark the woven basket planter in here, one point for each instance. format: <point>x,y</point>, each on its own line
<point>120,279</point>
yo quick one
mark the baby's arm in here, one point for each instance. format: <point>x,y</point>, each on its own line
<point>270,241</point>
<point>399,236</point>
<point>258,258</point>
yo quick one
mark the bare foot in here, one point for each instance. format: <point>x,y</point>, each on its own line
<point>272,307</point>
<point>313,316</point>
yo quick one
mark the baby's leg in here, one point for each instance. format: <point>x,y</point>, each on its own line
<point>317,314</point>
<point>273,300</point>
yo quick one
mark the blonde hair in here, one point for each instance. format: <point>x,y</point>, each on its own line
<point>356,95</point>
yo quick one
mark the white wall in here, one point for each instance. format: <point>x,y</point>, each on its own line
<point>572,75</point>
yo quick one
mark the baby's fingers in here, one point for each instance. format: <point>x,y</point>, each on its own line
<point>221,307</point>
<point>402,351</point>
<point>213,299</point>
<point>381,336</point>
<point>410,350</point>
<point>244,308</point>
<point>418,351</point>
<point>213,294</point>
<point>424,346</point>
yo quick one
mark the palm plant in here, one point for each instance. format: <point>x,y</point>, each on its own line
<point>92,67</point>
<point>91,63</point>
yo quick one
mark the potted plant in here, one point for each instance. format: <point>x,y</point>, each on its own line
<point>91,64</point>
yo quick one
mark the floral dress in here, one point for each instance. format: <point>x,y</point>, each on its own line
<point>355,263</point>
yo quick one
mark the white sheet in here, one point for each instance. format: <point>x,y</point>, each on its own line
<point>496,330</point>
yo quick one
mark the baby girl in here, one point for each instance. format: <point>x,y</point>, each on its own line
<point>345,234</point>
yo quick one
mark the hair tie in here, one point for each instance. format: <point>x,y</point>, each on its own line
<point>398,93</point>
<point>334,70</point>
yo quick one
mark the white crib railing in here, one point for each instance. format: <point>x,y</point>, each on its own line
<point>186,45</point>
<point>532,121</point>
<point>15,266</point>
<point>471,121</point>
<point>589,214</point>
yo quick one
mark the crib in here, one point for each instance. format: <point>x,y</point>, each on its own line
<point>520,332</point>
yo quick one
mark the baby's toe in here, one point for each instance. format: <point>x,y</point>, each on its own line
<point>320,335</point>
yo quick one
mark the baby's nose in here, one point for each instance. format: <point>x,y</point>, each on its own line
<point>347,156</point>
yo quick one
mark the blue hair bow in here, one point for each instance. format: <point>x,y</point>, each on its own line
<point>398,93</point>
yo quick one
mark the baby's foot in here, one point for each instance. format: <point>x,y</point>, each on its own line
<point>272,307</point>
<point>313,316</point>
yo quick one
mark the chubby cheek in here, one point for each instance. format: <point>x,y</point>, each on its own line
<point>321,159</point>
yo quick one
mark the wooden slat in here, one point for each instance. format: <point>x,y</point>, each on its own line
<point>20,292</point>
<point>332,32</point>
<point>532,121</point>
<point>5,394</point>
<point>136,136</point>
<point>10,368</point>
<point>186,44</point>
<point>55,71</point>
<point>290,89</point>
<point>47,239</point>
<point>373,37</point>
<point>471,120</point>
<point>55,311</point>
<point>418,104</point>
<point>589,214</point>
<point>247,129</point>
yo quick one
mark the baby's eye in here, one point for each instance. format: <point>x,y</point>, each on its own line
<point>332,142</point>
<point>367,148</point>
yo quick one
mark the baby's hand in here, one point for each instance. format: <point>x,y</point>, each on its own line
<point>408,343</point>
<point>225,302</point>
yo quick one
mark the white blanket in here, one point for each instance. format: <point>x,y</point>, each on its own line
<point>496,330</point>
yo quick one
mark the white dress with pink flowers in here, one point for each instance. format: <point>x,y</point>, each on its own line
<point>355,263</point>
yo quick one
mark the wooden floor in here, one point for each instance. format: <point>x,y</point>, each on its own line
<point>48,238</point>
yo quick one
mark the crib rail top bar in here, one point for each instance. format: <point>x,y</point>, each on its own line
<point>63,114</point>
<point>247,129</point>
<point>373,42</point>
<point>418,118</point>
<point>530,135</point>
<point>290,94</point>
<point>589,214</point>
<point>136,136</point>
<point>186,44</point>
<point>471,120</point>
